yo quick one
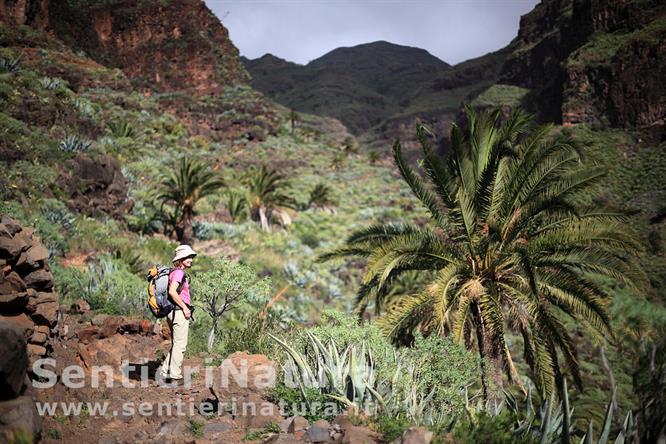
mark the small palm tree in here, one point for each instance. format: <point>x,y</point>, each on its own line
<point>373,157</point>
<point>513,245</point>
<point>267,199</point>
<point>184,186</point>
<point>237,206</point>
<point>293,118</point>
<point>350,145</point>
<point>320,197</point>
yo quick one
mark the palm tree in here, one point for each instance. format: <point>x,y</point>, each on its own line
<point>183,186</point>
<point>513,245</point>
<point>266,197</point>
<point>237,206</point>
<point>320,198</point>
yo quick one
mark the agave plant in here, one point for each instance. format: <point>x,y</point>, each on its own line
<point>10,65</point>
<point>74,144</point>
<point>122,129</point>
<point>83,107</point>
<point>51,83</point>
<point>347,376</point>
<point>373,157</point>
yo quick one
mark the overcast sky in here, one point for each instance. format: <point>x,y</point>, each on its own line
<point>303,30</point>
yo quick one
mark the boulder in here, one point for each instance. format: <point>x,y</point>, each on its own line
<point>10,225</point>
<point>215,427</point>
<point>319,431</point>
<point>33,257</point>
<point>41,279</point>
<point>14,360</point>
<point>38,338</point>
<point>80,307</point>
<point>357,434</point>
<point>88,334</point>
<point>9,248</point>
<point>36,350</point>
<point>297,424</point>
<point>38,297</point>
<point>12,283</point>
<point>99,319</point>
<point>417,435</point>
<point>111,325</point>
<point>20,414</point>
<point>13,302</point>
<point>20,321</point>
<point>46,313</point>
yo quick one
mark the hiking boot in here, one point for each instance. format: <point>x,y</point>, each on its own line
<point>174,382</point>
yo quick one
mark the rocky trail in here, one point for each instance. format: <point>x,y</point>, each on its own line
<point>142,409</point>
<point>71,374</point>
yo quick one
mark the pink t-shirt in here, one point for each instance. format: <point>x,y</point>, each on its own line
<point>177,275</point>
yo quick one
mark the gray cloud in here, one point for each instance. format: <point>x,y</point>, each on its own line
<point>303,30</point>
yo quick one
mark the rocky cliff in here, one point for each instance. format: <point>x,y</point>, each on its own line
<point>593,61</point>
<point>161,46</point>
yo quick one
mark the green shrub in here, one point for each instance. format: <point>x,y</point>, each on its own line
<point>344,330</point>
<point>302,403</point>
<point>226,286</point>
<point>107,285</point>
<point>197,428</point>
<point>438,364</point>
<point>392,427</point>
<point>492,430</point>
<point>251,335</point>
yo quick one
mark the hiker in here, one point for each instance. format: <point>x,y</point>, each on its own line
<point>179,318</point>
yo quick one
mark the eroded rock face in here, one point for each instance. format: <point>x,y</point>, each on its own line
<point>574,79</point>
<point>162,46</point>
<point>25,12</point>
<point>96,186</point>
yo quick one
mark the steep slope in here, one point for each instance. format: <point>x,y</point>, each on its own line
<point>593,61</point>
<point>160,46</point>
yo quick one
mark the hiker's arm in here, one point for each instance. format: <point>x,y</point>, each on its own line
<point>175,297</point>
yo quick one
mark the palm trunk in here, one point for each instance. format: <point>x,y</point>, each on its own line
<point>263,218</point>
<point>491,361</point>
<point>186,233</point>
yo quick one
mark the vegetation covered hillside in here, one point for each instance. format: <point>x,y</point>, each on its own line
<point>507,286</point>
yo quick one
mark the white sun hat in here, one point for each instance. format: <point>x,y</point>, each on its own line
<point>182,252</point>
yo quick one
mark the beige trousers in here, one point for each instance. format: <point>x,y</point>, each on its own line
<point>172,367</point>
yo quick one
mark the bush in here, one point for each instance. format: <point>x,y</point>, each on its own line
<point>439,365</point>
<point>303,403</point>
<point>107,285</point>
<point>392,427</point>
<point>251,335</point>
<point>492,430</point>
<point>225,286</point>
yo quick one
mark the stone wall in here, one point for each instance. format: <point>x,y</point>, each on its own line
<point>29,314</point>
<point>28,300</point>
